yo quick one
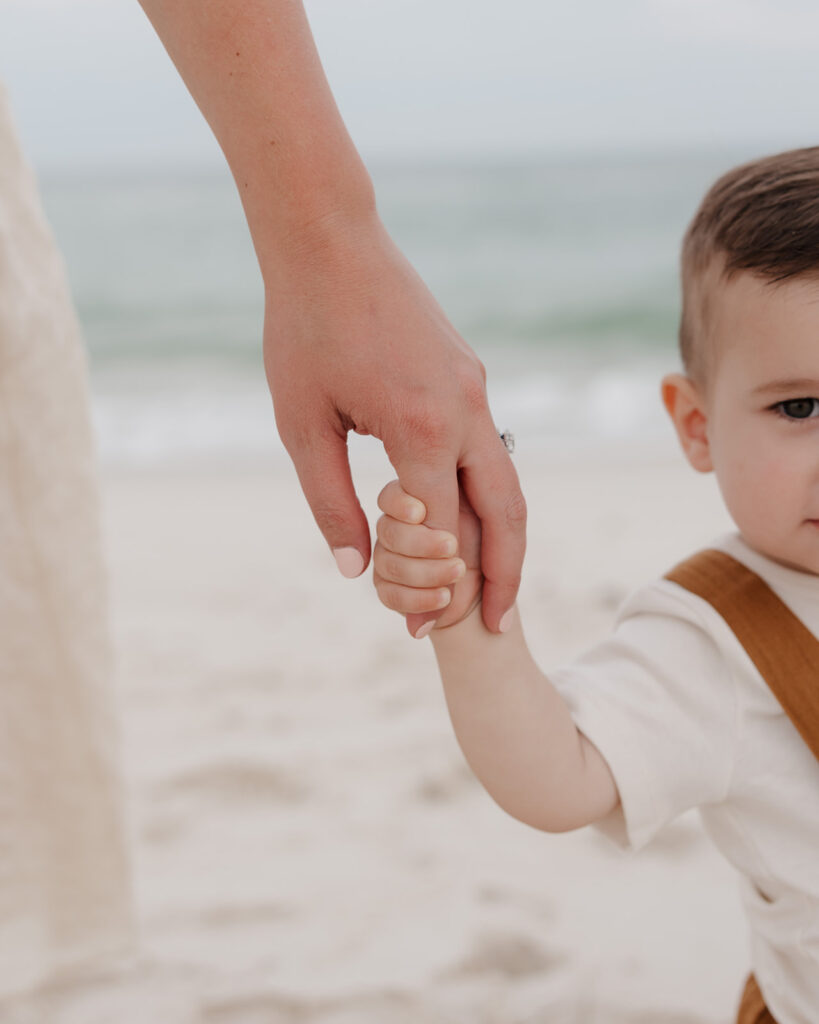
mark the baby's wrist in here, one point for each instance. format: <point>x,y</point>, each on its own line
<point>475,605</point>
<point>433,629</point>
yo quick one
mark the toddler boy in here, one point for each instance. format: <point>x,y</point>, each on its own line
<point>670,712</point>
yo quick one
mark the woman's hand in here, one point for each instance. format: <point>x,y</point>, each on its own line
<point>415,568</point>
<point>353,338</point>
<point>355,341</point>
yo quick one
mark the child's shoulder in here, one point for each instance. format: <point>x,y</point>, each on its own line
<point>796,589</point>
<point>695,626</point>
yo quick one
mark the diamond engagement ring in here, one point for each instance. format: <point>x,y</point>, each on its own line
<point>508,439</point>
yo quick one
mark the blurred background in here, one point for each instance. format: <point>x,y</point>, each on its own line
<point>537,162</point>
<point>308,843</point>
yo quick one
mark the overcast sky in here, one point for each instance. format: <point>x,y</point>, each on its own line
<point>90,82</point>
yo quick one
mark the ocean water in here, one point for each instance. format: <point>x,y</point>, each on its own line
<point>561,274</point>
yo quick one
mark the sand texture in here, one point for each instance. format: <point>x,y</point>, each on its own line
<point>309,843</point>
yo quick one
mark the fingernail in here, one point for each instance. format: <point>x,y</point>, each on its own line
<point>425,630</point>
<point>416,512</point>
<point>459,570</point>
<point>444,598</point>
<point>505,623</point>
<point>349,562</point>
<point>449,546</point>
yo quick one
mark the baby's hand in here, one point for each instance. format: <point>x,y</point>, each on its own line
<point>414,566</point>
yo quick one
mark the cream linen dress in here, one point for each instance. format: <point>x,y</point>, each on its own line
<point>65,885</point>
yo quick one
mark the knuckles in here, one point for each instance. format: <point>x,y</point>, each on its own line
<point>426,426</point>
<point>385,531</point>
<point>390,568</point>
<point>434,420</point>
<point>510,586</point>
<point>473,393</point>
<point>394,599</point>
<point>515,511</point>
<point>331,519</point>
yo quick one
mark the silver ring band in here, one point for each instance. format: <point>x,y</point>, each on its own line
<point>508,439</point>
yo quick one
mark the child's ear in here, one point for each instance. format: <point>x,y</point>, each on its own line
<point>686,407</point>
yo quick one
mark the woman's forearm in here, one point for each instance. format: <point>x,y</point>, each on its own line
<point>515,729</point>
<point>254,71</point>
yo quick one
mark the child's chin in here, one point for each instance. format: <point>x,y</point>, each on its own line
<point>802,555</point>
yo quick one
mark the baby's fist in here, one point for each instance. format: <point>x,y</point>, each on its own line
<point>415,568</point>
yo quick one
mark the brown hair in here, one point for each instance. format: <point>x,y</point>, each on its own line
<point>761,217</point>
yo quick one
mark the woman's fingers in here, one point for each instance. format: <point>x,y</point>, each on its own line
<point>491,486</point>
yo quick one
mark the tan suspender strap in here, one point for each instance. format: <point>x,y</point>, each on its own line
<point>752,1008</point>
<point>783,649</point>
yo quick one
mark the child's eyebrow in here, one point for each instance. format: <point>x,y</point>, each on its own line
<point>788,385</point>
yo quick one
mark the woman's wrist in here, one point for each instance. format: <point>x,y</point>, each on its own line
<point>254,71</point>
<point>326,234</point>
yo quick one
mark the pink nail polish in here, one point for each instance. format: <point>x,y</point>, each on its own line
<point>425,630</point>
<point>349,562</point>
<point>505,623</point>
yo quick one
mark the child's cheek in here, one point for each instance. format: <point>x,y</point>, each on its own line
<point>755,480</point>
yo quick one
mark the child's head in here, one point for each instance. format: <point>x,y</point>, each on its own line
<point>748,405</point>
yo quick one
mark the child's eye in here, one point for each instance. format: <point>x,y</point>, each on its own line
<point>798,408</point>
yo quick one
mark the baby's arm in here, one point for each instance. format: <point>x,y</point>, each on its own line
<point>513,727</point>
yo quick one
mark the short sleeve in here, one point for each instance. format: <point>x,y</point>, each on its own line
<point>658,701</point>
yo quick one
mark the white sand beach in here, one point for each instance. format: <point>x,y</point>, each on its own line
<point>309,843</point>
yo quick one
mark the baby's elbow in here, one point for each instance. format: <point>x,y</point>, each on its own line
<point>555,819</point>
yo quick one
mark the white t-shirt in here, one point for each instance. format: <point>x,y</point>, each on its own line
<point>683,718</point>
